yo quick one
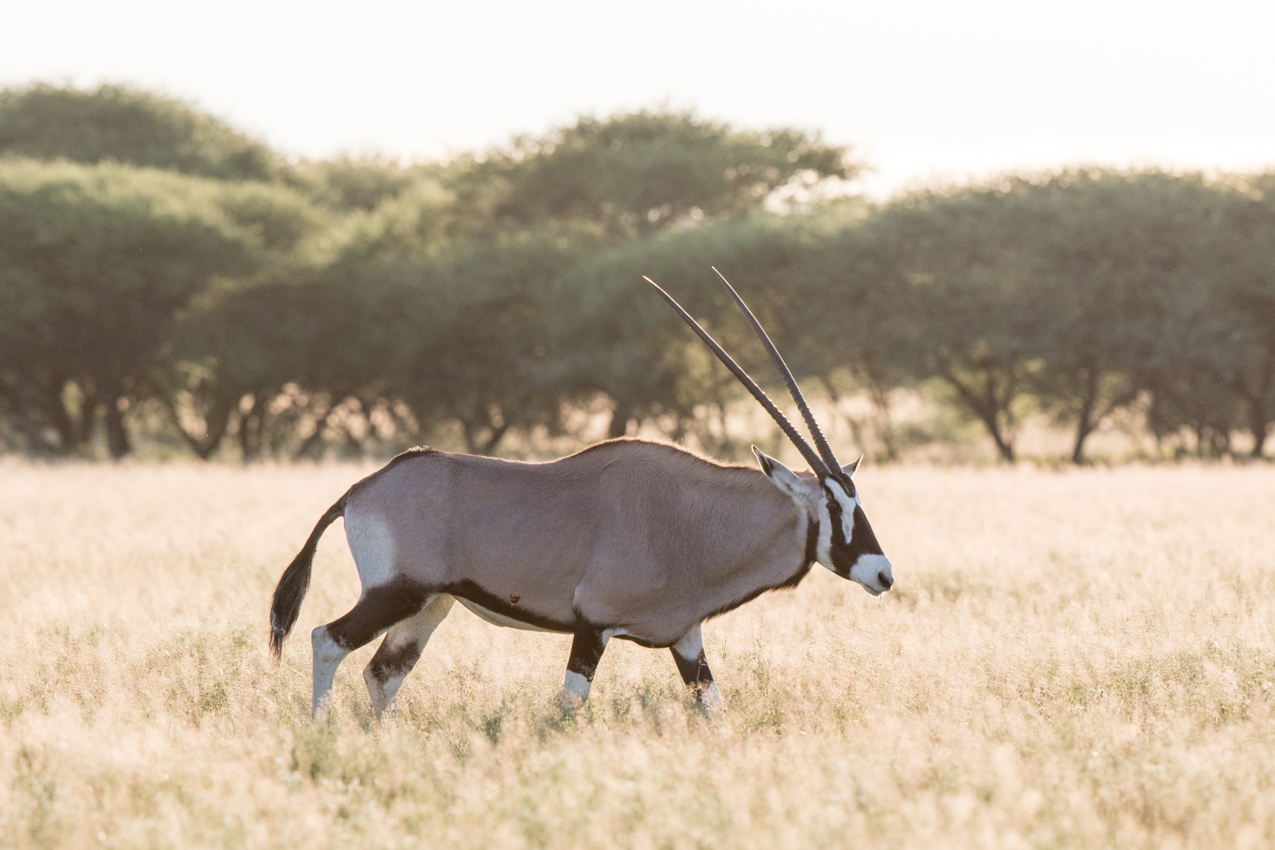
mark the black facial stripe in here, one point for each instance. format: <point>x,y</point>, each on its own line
<point>834,516</point>
<point>865,540</point>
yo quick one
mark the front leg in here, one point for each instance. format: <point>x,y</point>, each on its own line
<point>586,651</point>
<point>688,654</point>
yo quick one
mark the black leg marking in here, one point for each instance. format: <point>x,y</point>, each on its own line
<point>380,608</point>
<point>586,651</point>
<point>695,672</point>
<point>388,663</point>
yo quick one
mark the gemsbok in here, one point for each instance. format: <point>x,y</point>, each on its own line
<point>628,538</point>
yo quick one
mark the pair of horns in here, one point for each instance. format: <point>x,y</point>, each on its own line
<point>824,464</point>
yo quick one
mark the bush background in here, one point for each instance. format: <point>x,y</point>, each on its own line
<point>170,287</point>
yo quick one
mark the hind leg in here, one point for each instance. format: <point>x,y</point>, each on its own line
<point>400,651</point>
<point>377,610</point>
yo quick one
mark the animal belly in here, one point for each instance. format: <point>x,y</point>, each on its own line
<point>501,619</point>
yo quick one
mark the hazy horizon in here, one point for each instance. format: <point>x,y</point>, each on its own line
<point>925,92</point>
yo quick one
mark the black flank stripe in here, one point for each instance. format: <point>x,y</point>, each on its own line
<point>470,590</point>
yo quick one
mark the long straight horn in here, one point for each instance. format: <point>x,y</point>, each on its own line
<point>825,450</point>
<point>816,464</point>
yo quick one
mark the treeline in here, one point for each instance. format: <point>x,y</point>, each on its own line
<point>165,279</point>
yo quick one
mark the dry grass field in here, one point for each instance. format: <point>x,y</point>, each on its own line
<point>1074,659</point>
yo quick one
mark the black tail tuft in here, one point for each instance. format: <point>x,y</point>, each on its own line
<point>295,581</point>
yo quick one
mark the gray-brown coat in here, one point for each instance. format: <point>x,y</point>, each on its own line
<point>628,538</point>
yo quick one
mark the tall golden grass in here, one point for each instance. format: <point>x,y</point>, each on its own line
<point>1076,659</point>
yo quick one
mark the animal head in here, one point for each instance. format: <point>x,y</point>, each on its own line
<point>846,544</point>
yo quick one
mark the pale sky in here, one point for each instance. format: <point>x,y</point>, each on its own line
<point>926,91</point>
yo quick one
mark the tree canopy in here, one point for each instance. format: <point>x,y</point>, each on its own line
<point>166,279</point>
<point>95,265</point>
<point>640,172</point>
<point>126,125</point>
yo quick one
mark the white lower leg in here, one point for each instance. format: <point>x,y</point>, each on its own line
<point>383,693</point>
<point>711,699</point>
<point>575,690</point>
<point>328,655</point>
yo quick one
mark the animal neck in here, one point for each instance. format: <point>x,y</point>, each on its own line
<point>781,563</point>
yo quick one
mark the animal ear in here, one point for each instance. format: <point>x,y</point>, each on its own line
<point>849,468</point>
<point>782,477</point>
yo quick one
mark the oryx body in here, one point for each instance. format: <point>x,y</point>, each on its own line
<point>628,538</point>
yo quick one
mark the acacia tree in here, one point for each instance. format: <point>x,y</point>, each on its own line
<point>124,266</point>
<point>487,351</point>
<point>640,172</point>
<point>1206,351</point>
<point>126,125</point>
<point>1086,288</point>
<point>316,346</point>
<point>366,183</point>
<point>611,186</point>
<point>1109,251</point>
<point>95,265</point>
<point>231,349</point>
<point>1247,293</point>
<point>960,264</point>
<point>853,317</point>
<point>628,344</point>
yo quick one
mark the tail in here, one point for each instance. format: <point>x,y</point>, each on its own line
<point>295,581</point>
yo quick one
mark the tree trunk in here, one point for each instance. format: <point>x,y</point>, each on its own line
<point>62,420</point>
<point>620,418</point>
<point>476,443</point>
<point>1260,436</point>
<point>494,438</point>
<point>1005,448</point>
<point>87,421</point>
<point>1086,424</point>
<point>1259,410</point>
<point>988,409</point>
<point>880,395</point>
<point>117,440</point>
<point>216,421</point>
<point>249,429</point>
